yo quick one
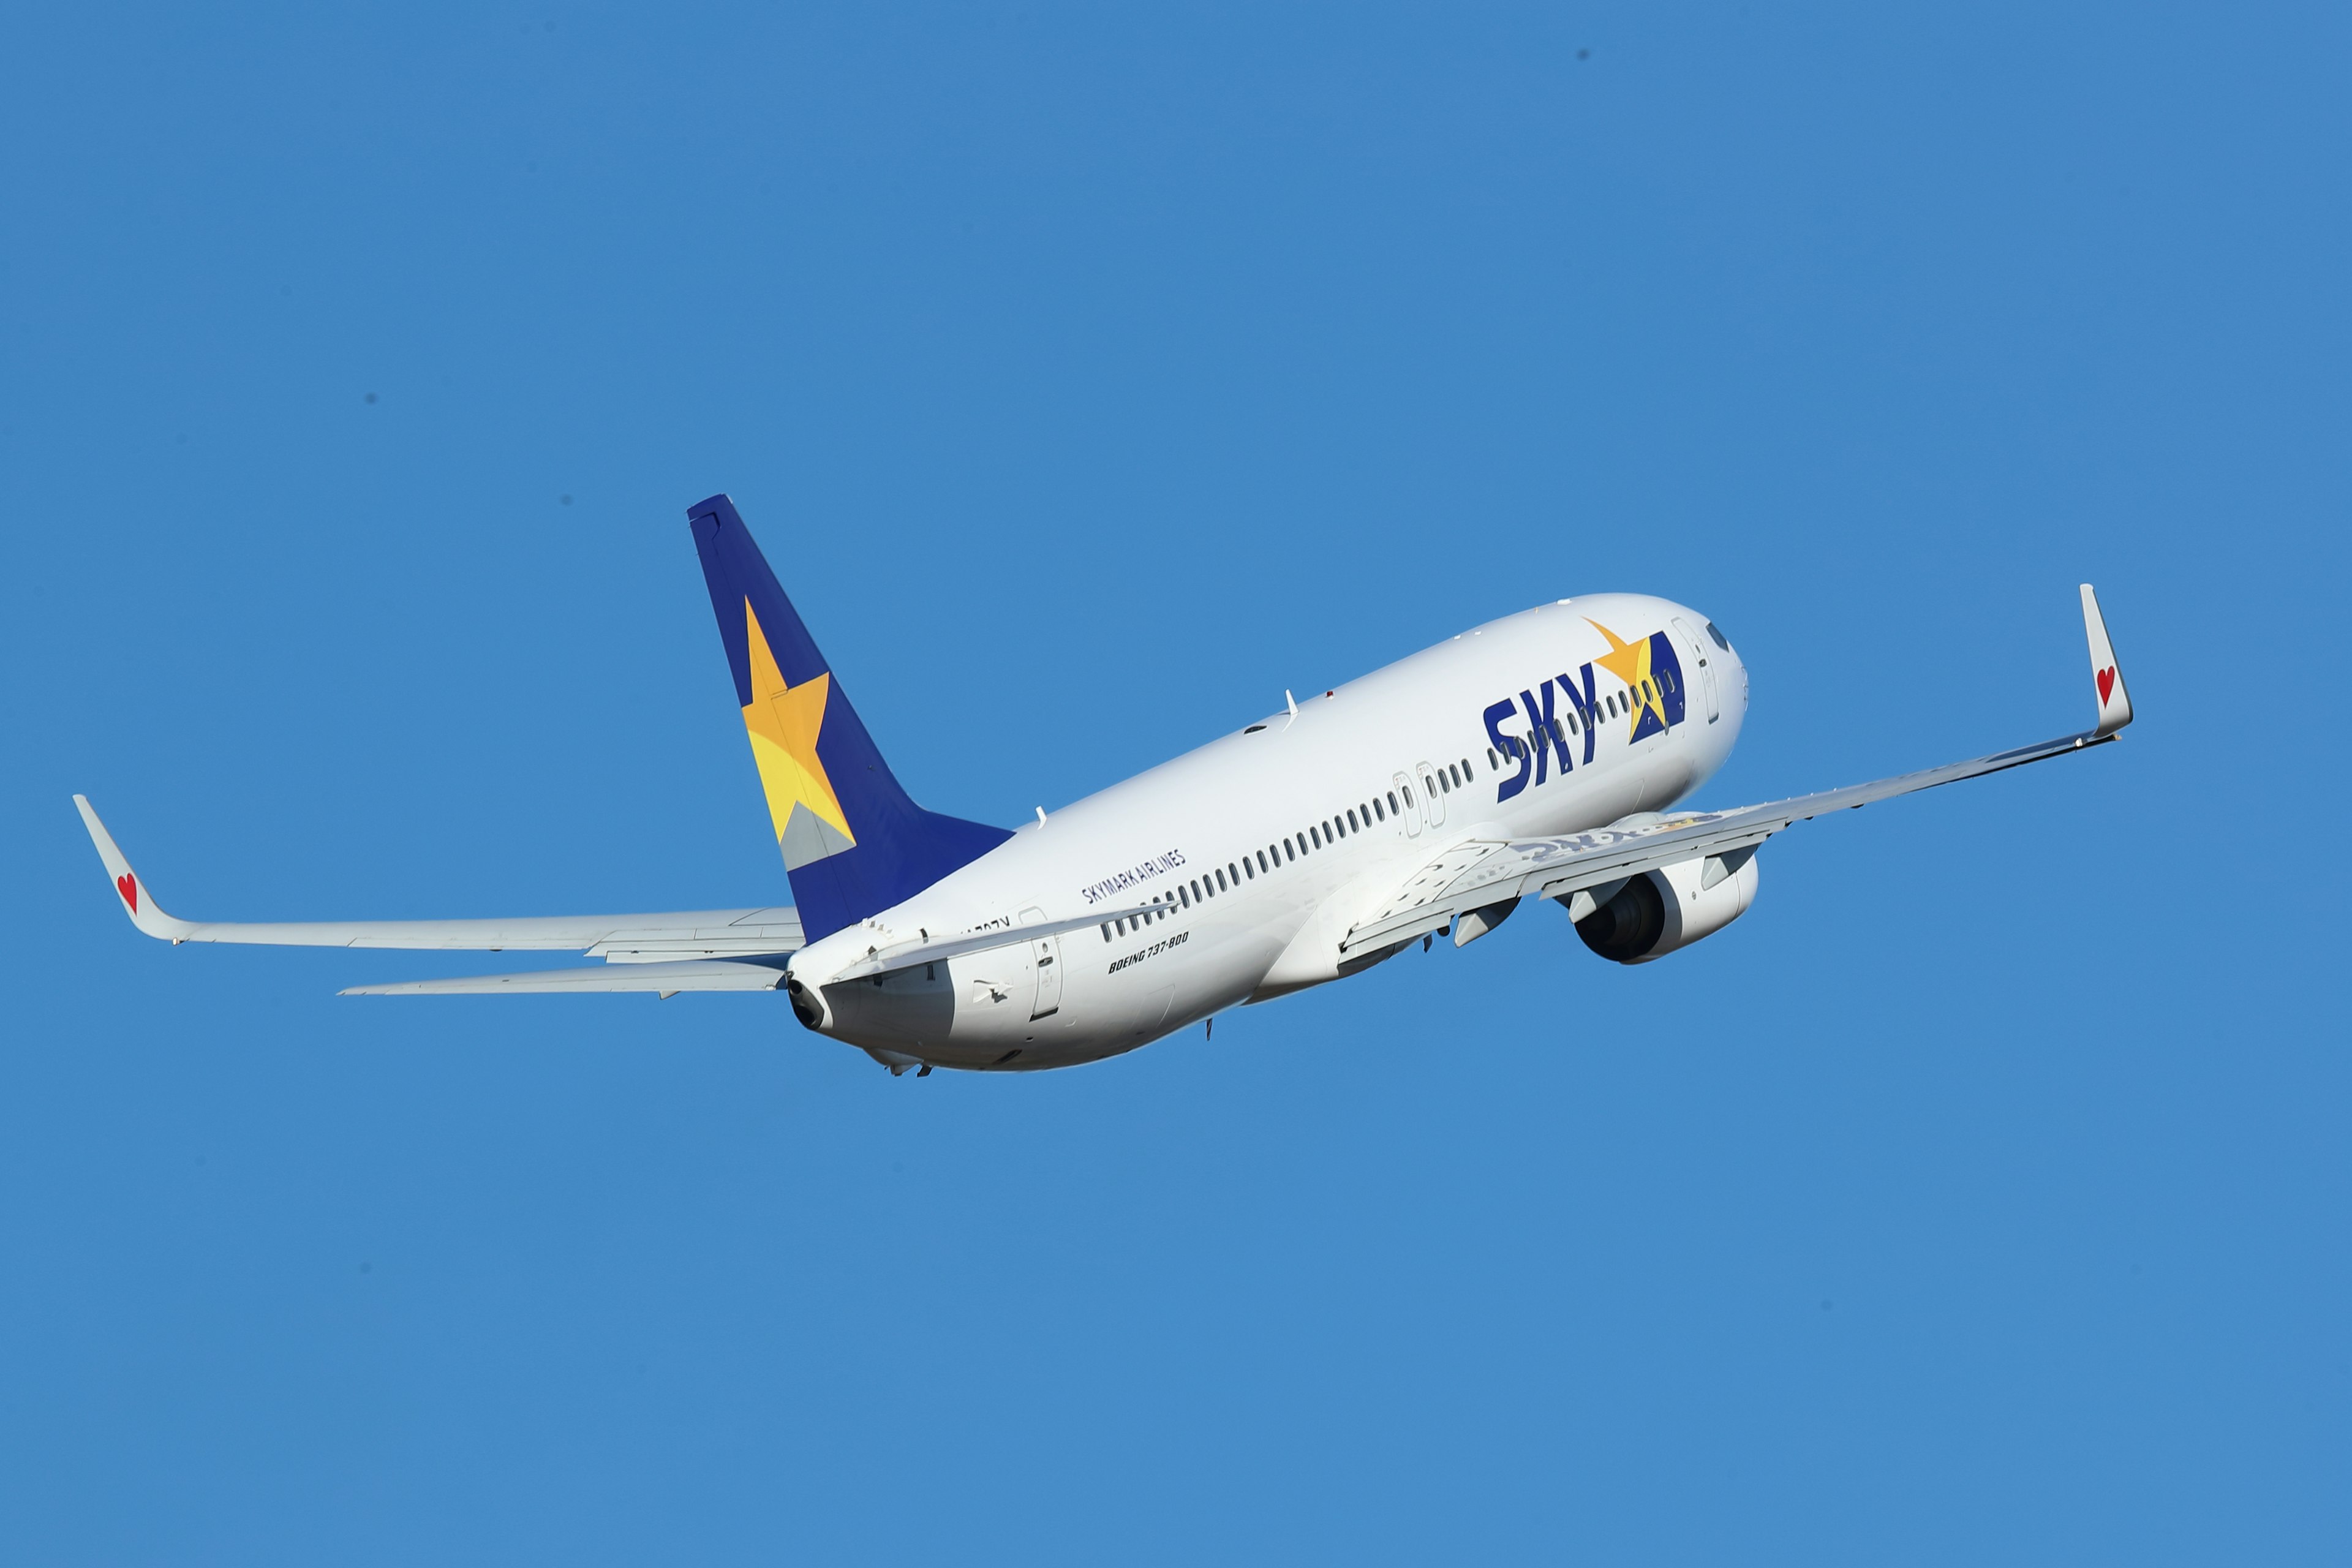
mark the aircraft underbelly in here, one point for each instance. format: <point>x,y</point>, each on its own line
<point>979,1011</point>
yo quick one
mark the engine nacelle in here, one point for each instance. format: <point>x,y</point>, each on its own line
<point>1658,912</point>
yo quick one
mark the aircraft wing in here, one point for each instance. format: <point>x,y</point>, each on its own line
<point>635,939</point>
<point>662,979</point>
<point>1476,873</point>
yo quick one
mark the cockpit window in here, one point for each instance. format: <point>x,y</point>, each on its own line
<point>1717,637</point>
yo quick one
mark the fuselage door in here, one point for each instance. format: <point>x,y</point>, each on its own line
<point>1698,645</point>
<point>1045,961</point>
<point>1408,789</point>
<point>1432,796</point>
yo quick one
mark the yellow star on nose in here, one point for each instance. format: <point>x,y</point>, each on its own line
<point>784,723</point>
<point>1630,662</point>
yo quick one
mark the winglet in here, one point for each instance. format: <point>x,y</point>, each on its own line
<point>135,894</point>
<point>2114,703</point>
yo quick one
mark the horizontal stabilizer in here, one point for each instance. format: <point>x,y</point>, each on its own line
<point>661,979</point>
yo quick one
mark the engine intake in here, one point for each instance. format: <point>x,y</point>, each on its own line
<point>1656,912</point>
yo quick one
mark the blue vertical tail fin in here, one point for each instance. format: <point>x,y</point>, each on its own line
<point>852,842</point>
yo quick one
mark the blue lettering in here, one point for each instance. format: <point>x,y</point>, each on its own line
<point>1667,667</point>
<point>1587,705</point>
<point>1496,714</point>
<point>1661,709</point>
<point>1545,740</point>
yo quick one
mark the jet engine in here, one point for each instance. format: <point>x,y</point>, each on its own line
<point>1651,915</point>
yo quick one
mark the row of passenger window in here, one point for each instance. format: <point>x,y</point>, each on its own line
<point>1318,836</point>
<point>1447,779</point>
<point>1355,819</point>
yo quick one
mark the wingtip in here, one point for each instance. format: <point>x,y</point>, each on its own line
<point>2106,674</point>
<point>137,899</point>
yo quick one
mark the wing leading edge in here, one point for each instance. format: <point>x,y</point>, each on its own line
<point>1478,873</point>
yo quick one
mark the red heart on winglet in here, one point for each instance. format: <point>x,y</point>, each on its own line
<point>2106,684</point>
<point>128,886</point>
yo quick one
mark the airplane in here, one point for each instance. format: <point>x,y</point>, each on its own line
<point>1543,756</point>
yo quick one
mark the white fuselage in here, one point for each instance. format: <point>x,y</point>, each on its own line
<point>1258,823</point>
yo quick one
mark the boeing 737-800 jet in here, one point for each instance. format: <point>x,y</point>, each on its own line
<point>1542,755</point>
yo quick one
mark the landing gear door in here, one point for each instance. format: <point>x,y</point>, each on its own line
<point>1698,645</point>
<point>1046,962</point>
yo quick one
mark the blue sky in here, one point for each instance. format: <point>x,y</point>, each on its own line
<point>1091,374</point>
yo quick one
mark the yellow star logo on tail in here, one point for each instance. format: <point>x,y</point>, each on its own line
<point>784,723</point>
<point>1630,662</point>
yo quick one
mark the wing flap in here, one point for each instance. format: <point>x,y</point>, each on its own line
<point>661,979</point>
